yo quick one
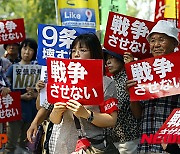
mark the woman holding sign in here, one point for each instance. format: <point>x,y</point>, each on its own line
<point>91,118</point>
<point>17,129</point>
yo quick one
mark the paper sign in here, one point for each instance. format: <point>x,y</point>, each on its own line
<point>12,31</point>
<point>156,77</point>
<point>127,34</point>
<point>25,76</point>
<point>10,108</point>
<point>81,80</point>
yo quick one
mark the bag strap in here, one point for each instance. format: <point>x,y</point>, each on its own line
<point>77,122</point>
<point>78,127</point>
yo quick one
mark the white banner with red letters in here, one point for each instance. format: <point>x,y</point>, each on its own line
<point>12,31</point>
<point>10,108</point>
<point>127,34</point>
<point>156,77</point>
<point>76,79</point>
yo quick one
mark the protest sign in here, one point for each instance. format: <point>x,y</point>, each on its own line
<point>156,77</point>
<point>79,13</point>
<point>10,108</point>
<point>12,31</point>
<point>127,34</point>
<point>25,76</point>
<point>172,124</point>
<point>43,92</point>
<point>75,79</point>
<point>55,41</point>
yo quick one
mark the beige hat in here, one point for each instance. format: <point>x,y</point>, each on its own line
<point>165,27</point>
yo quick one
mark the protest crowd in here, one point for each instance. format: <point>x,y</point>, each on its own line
<point>69,94</point>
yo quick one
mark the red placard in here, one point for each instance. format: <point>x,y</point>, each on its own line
<point>159,15</point>
<point>127,34</point>
<point>172,124</point>
<point>76,79</point>
<point>156,77</point>
<point>12,31</point>
<point>159,10</point>
<point>10,108</point>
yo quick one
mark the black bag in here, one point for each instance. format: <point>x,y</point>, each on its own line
<point>35,146</point>
<point>88,145</point>
<point>48,135</point>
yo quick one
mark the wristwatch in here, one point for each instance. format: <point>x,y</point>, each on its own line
<point>91,117</point>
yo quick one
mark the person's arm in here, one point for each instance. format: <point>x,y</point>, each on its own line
<point>41,115</point>
<point>103,119</point>
<point>136,107</point>
<point>38,107</point>
<point>39,85</point>
<point>100,119</point>
<point>4,91</point>
<point>57,112</point>
<point>171,148</point>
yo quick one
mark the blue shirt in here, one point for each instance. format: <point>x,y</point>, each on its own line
<point>28,107</point>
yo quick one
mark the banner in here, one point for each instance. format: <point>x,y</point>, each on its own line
<point>43,92</point>
<point>127,34</point>
<point>10,108</point>
<point>168,10</point>
<point>12,31</point>
<point>79,13</point>
<point>171,127</point>
<point>156,77</point>
<point>55,41</point>
<point>74,79</point>
<point>25,76</point>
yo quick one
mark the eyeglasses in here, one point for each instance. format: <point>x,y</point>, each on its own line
<point>80,51</point>
<point>160,40</point>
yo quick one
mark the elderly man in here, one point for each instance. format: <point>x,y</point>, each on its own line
<point>12,52</point>
<point>126,132</point>
<point>163,39</point>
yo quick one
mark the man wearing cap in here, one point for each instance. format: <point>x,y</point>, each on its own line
<point>125,134</point>
<point>163,39</point>
<point>12,52</point>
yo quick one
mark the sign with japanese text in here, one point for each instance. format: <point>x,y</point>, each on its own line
<point>10,109</point>
<point>25,76</point>
<point>81,13</point>
<point>156,77</point>
<point>55,41</point>
<point>172,124</point>
<point>127,34</point>
<point>43,92</point>
<point>168,10</point>
<point>77,79</point>
<point>12,31</point>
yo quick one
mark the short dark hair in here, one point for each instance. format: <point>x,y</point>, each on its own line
<point>32,44</point>
<point>5,45</point>
<point>91,41</point>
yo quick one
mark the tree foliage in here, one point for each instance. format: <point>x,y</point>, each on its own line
<point>34,12</point>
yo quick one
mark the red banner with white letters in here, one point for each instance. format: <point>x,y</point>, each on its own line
<point>156,77</point>
<point>159,10</point>
<point>127,34</point>
<point>10,108</point>
<point>172,124</point>
<point>77,79</point>
<point>12,31</point>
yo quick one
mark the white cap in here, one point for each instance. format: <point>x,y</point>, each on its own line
<point>165,27</point>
